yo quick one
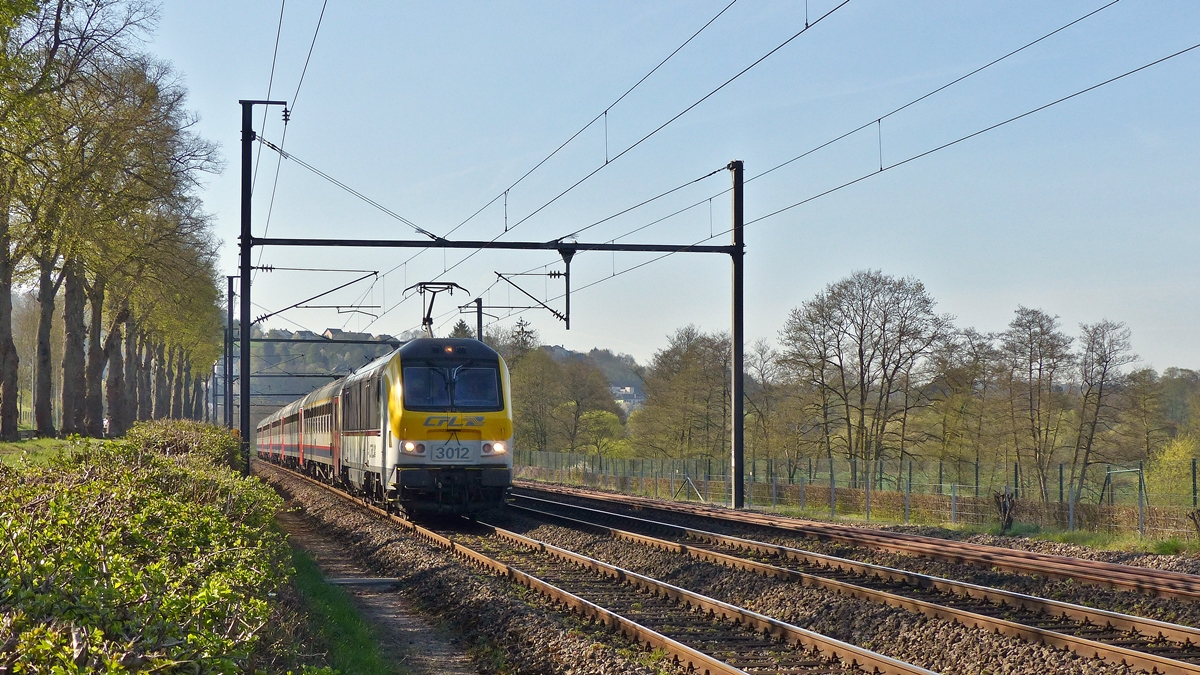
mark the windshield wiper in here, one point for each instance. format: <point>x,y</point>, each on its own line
<point>453,383</point>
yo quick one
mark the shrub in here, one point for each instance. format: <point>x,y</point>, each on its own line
<point>183,437</point>
<point>146,554</point>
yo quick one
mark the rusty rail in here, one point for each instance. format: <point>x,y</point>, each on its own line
<point>1184,636</point>
<point>689,656</point>
<point>1150,581</point>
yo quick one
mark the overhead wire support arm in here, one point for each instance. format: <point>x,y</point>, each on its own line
<point>496,245</point>
<point>548,308</point>
<point>264,317</point>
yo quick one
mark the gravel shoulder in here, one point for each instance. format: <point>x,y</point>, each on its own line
<point>405,637</point>
<point>503,628</point>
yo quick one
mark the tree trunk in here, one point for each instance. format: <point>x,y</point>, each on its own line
<point>197,399</point>
<point>145,383</point>
<point>93,403</point>
<point>132,380</point>
<point>112,356</point>
<point>187,388</point>
<point>207,397</point>
<point>73,382</point>
<point>43,411</point>
<point>162,395</point>
<point>115,389</point>
<point>177,385</point>
<point>9,386</point>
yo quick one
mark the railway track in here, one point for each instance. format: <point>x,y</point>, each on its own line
<point>1161,583</point>
<point>704,634</point>
<point>1154,646</point>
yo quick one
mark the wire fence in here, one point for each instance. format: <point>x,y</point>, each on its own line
<point>1157,499</point>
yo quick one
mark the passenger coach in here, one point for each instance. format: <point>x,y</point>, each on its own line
<point>425,428</point>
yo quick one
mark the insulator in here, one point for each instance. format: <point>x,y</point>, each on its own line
<point>287,115</point>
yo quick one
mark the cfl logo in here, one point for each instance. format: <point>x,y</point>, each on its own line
<point>454,421</point>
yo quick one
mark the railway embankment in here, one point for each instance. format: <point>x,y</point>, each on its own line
<point>503,627</point>
<point>146,554</point>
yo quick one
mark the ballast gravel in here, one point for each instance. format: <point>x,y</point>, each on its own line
<point>938,645</point>
<point>510,629</point>
<point>1065,590</point>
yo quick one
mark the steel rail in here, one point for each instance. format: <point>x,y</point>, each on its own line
<point>692,657</point>
<point>1185,636</point>
<point>1145,580</point>
<point>844,652</point>
<point>695,659</point>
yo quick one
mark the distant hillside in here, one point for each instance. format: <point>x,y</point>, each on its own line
<point>622,370</point>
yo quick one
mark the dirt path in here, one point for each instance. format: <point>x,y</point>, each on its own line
<point>405,637</point>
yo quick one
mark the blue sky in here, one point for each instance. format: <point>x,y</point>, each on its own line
<point>1088,210</point>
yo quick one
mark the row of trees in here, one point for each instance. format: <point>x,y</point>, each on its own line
<point>868,370</point>
<point>99,169</point>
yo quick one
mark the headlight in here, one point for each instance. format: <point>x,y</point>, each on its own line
<point>414,448</point>
<point>498,448</point>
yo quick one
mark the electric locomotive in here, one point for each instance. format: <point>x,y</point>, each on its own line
<point>425,428</point>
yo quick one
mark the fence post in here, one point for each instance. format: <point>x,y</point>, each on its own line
<point>672,478</point>
<point>941,486</point>
<point>1060,482</point>
<point>1071,509</point>
<point>953,503</point>
<point>802,491</point>
<point>774,497</point>
<point>977,480</point>
<point>908,491</point>
<point>1016,480</point>
<point>1141,501</point>
<point>867,491</point>
<point>832,492</point>
<point>1194,504</point>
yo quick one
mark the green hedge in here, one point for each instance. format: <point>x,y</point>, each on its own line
<point>140,555</point>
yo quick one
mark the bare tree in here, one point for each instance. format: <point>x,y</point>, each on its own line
<point>863,341</point>
<point>1039,358</point>
<point>1104,350</point>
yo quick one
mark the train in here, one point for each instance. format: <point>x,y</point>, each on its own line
<point>425,429</point>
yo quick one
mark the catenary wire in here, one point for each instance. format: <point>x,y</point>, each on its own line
<point>270,84</point>
<point>981,131</point>
<point>547,158</point>
<point>347,188</point>
<point>634,145</point>
<point>258,156</point>
<point>681,113</point>
<point>308,58</point>
<point>283,136</point>
<point>857,129</point>
<point>898,164</point>
<point>594,119</point>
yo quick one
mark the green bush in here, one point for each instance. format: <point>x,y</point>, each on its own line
<point>138,555</point>
<point>182,437</point>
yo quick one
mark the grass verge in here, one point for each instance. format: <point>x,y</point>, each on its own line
<point>37,451</point>
<point>353,644</point>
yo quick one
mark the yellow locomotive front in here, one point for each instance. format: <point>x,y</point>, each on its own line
<point>449,419</point>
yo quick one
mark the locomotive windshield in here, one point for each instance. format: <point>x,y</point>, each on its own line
<point>451,386</point>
